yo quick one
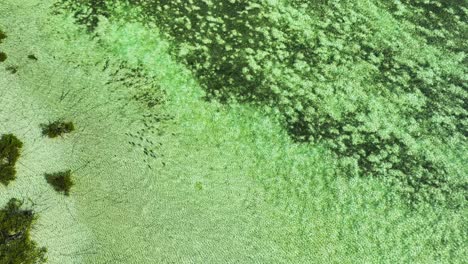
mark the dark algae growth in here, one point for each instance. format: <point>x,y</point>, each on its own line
<point>32,57</point>
<point>57,128</point>
<point>60,181</point>
<point>10,147</point>
<point>3,36</point>
<point>16,246</point>
<point>12,69</point>
<point>3,56</point>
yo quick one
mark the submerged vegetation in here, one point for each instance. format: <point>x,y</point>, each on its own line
<point>441,23</point>
<point>16,246</point>
<point>60,181</point>
<point>10,147</point>
<point>57,128</point>
<point>343,73</point>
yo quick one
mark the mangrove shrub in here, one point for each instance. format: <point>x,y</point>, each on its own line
<point>10,147</point>
<point>16,246</point>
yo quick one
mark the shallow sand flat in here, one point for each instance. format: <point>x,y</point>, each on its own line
<point>42,91</point>
<point>58,226</point>
<point>21,113</point>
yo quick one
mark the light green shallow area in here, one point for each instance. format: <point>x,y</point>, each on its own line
<point>226,185</point>
<point>121,211</point>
